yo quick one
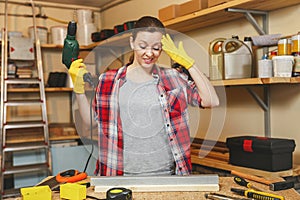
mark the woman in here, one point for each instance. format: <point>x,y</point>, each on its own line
<point>141,108</point>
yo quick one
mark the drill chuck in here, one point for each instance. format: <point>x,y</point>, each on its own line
<point>72,28</point>
<point>71,47</point>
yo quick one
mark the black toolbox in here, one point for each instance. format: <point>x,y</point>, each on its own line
<point>270,154</point>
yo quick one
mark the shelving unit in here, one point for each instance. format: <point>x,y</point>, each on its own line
<point>101,5</point>
<point>256,81</point>
<point>218,14</point>
<point>119,40</point>
<point>212,16</point>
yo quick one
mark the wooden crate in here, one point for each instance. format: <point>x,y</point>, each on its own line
<point>192,6</point>
<point>212,3</point>
<point>169,12</point>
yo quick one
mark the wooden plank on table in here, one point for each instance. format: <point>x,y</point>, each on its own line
<point>211,154</point>
<point>158,183</point>
<point>208,147</point>
<point>209,162</point>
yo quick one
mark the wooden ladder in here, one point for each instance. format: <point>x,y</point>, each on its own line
<point>10,124</point>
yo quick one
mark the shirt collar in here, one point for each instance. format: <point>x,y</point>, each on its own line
<point>122,73</point>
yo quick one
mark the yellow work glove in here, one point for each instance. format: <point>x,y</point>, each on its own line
<point>76,71</point>
<point>176,54</point>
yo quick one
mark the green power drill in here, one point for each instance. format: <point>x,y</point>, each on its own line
<point>71,50</point>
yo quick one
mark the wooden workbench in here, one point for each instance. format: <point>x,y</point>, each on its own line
<point>225,184</point>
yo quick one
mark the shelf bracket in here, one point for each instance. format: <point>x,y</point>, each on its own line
<point>249,16</point>
<point>265,105</point>
<point>262,30</point>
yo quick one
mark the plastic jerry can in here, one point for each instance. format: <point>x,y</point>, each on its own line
<point>238,59</point>
<point>216,61</point>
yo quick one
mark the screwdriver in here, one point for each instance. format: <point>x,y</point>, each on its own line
<point>257,194</point>
<point>243,182</point>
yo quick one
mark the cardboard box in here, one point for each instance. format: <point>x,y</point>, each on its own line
<point>270,154</point>
<point>192,6</point>
<point>212,3</point>
<point>169,12</point>
<point>21,48</point>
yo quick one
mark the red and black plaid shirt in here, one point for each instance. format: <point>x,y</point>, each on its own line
<point>175,93</point>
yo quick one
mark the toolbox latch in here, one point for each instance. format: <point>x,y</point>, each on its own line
<point>247,145</point>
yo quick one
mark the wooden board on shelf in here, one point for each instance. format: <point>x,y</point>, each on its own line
<point>67,132</point>
<point>119,40</point>
<point>276,80</point>
<point>295,80</point>
<point>256,81</point>
<point>47,89</point>
<point>218,14</point>
<point>52,46</point>
<point>232,82</point>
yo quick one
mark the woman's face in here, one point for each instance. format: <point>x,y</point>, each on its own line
<point>147,48</point>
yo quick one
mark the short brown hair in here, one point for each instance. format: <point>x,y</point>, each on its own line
<point>149,24</point>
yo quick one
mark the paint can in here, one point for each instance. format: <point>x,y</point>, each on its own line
<point>58,34</point>
<point>283,66</point>
<point>84,16</point>
<point>284,47</point>
<point>42,33</point>
<point>296,43</point>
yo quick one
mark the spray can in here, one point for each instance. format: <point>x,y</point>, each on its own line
<point>248,42</point>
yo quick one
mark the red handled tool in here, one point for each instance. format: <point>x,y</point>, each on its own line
<point>70,176</point>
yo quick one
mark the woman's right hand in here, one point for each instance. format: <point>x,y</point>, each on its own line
<point>76,71</point>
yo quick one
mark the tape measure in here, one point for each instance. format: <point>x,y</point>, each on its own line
<point>119,194</point>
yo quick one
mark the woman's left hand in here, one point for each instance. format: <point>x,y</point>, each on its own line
<point>178,55</point>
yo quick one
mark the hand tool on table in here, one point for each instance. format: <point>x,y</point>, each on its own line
<point>257,194</point>
<point>68,176</point>
<point>274,186</point>
<point>119,193</point>
<point>243,182</point>
<point>217,196</point>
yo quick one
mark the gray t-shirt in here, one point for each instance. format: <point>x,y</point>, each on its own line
<point>146,148</point>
